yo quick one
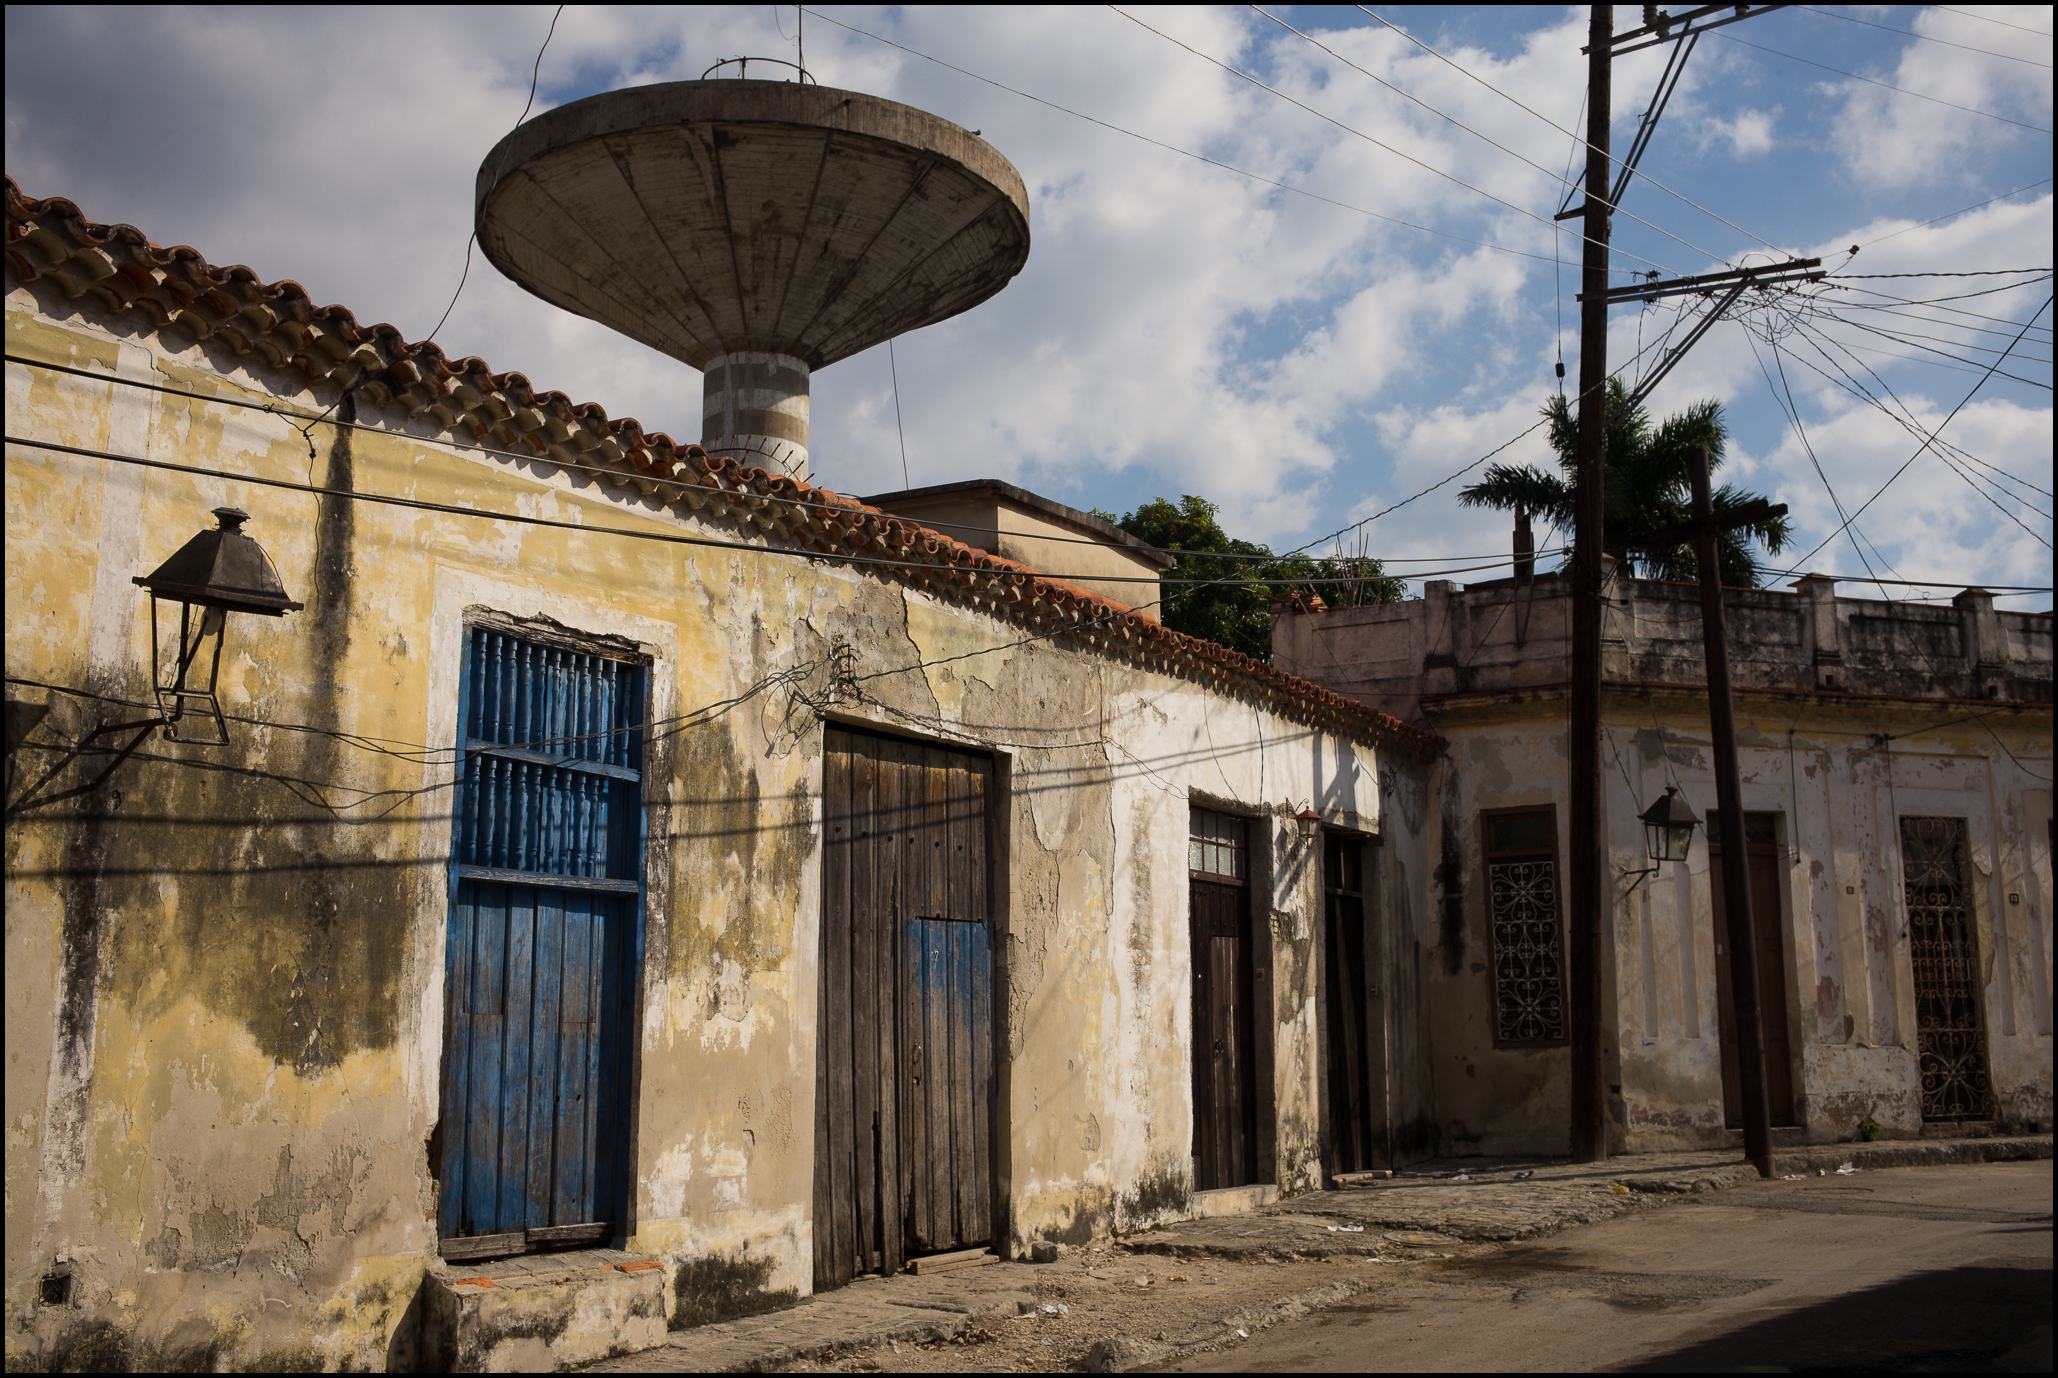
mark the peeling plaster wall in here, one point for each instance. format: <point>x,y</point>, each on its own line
<point>1848,986</point>
<point>225,1023</point>
<point>1964,692</point>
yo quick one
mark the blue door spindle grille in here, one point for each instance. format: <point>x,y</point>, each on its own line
<point>546,898</point>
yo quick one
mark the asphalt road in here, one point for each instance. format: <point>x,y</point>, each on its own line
<point>1906,1270</point>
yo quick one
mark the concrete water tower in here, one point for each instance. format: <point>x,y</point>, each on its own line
<point>756,230</point>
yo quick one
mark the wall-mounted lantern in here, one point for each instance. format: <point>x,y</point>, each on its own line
<point>1307,823</point>
<point>1668,831</point>
<point>214,574</point>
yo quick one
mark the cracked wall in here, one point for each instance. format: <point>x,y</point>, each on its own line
<point>226,1028</point>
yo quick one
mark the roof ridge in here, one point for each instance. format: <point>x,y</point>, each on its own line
<point>279,324</point>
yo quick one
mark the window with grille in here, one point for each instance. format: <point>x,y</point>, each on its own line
<point>553,754</point>
<point>1527,939</point>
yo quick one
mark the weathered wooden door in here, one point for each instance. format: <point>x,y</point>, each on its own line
<point>1224,1065</point>
<point>1353,1038</point>
<point>546,899</point>
<point>1765,873</point>
<point>904,1104</point>
<point>1950,1018</point>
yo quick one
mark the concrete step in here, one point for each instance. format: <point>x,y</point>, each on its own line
<point>539,1312</point>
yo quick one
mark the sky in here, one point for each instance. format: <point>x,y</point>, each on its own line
<point>1185,328</point>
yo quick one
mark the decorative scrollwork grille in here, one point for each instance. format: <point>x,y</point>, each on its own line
<point>1528,966</point>
<point>1949,1025</point>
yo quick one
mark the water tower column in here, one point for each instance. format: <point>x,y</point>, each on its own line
<point>754,408</point>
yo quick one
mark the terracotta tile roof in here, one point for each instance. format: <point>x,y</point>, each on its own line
<point>278,325</point>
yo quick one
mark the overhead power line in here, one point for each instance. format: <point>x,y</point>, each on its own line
<point>1355,132</point>
<point>1966,47</point>
<point>612,471</point>
<point>1578,138</point>
<point>1198,157</point>
<point>1886,85</point>
<point>1962,210</point>
<point>1919,451</point>
<point>662,537</point>
<point>1486,138</point>
<point>1989,19</point>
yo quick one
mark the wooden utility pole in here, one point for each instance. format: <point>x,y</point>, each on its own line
<point>1736,886</point>
<point>1589,910</point>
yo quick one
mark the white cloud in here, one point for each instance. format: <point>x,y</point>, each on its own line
<point>1178,328</point>
<point>1748,133</point>
<point>1893,140</point>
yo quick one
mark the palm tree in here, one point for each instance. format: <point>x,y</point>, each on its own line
<point>1648,488</point>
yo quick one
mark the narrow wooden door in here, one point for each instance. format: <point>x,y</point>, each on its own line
<point>1766,874</point>
<point>1224,1065</point>
<point>531,1143</point>
<point>1943,944</point>
<point>1352,1042</point>
<point>904,1105</point>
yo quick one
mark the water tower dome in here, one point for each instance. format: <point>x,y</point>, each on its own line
<point>756,230</point>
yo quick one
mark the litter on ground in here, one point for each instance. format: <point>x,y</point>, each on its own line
<point>1847,1169</point>
<point>1346,1229</point>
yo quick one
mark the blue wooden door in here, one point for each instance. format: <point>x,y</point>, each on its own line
<point>546,906</point>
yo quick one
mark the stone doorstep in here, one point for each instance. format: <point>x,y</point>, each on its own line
<point>542,1311</point>
<point>1207,1205</point>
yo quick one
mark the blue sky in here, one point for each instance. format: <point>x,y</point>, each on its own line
<point>1180,328</point>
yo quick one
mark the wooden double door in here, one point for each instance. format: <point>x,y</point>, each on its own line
<point>1766,874</point>
<point>904,1105</point>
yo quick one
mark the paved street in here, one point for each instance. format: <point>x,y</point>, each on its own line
<point>1901,1270</point>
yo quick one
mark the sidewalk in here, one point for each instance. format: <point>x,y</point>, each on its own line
<point>1203,1284</point>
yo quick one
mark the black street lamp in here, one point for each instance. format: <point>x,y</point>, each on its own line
<point>1668,832</point>
<point>214,574</point>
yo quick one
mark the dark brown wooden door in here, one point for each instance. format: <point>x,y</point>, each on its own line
<point>904,1101</point>
<point>1766,874</point>
<point>1352,1040</point>
<point>1224,1067</point>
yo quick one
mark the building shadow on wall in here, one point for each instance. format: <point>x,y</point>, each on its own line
<point>1954,1320</point>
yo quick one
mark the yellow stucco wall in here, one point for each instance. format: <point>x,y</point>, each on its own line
<point>224,1018</point>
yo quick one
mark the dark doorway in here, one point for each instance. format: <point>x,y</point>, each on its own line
<point>1354,1045</point>
<point>1950,1024</point>
<point>532,1142</point>
<point>1224,1063</point>
<point>1766,873</point>
<point>904,1103</point>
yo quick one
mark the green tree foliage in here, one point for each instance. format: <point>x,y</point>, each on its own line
<point>1648,488</point>
<point>1237,613</point>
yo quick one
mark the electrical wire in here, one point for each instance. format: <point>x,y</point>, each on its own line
<point>1962,210</point>
<point>1949,310</point>
<point>1817,337</point>
<point>1578,140</point>
<point>1989,19</point>
<point>1887,85</point>
<point>1906,417</point>
<point>1991,370</point>
<point>1217,163</point>
<point>677,538</point>
<point>1553,226</point>
<point>531,457</point>
<point>1521,157</point>
<point>1965,47</point>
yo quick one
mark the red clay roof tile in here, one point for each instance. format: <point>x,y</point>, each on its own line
<point>279,324</point>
